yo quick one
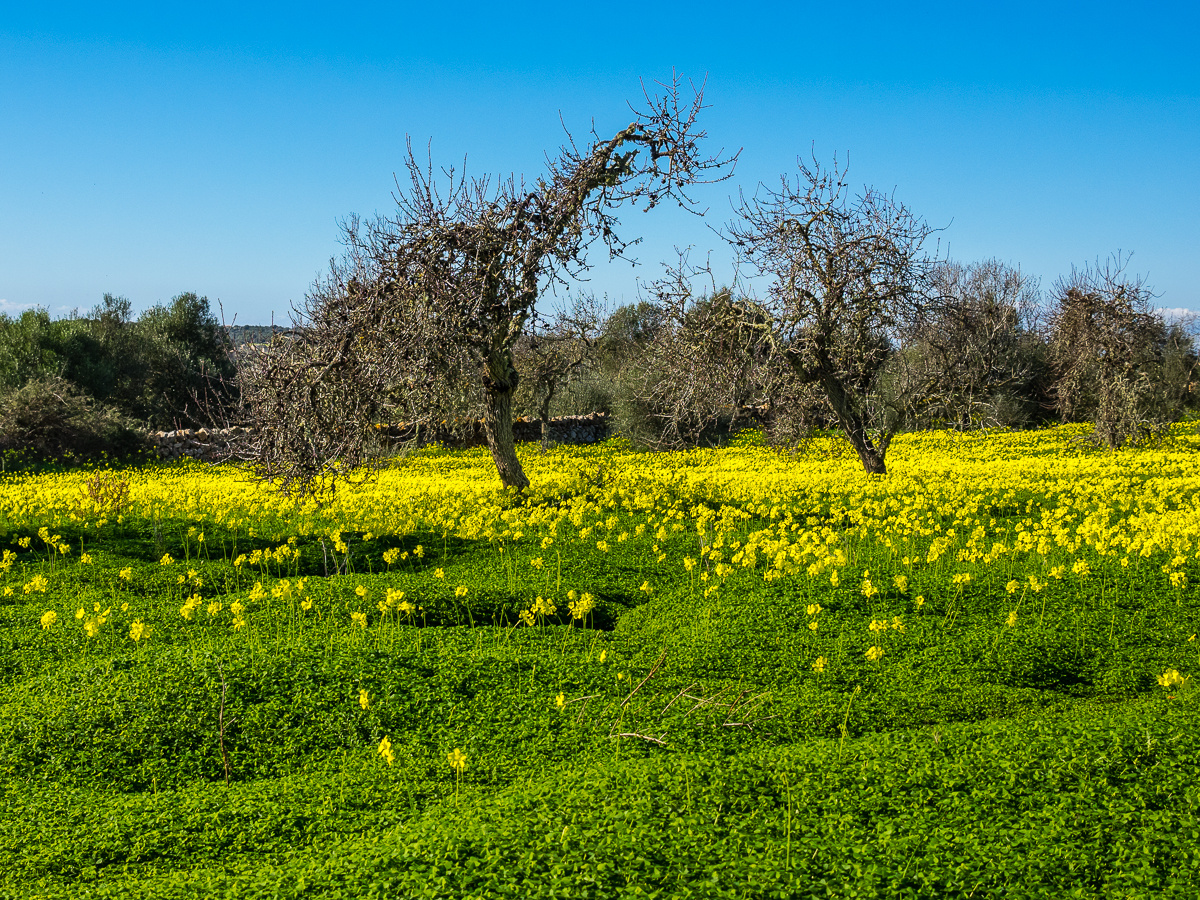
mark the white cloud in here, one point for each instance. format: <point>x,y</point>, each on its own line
<point>1174,314</point>
<point>8,307</point>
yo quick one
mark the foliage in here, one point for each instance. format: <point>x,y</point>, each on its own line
<point>171,365</point>
<point>49,419</point>
<point>714,673</point>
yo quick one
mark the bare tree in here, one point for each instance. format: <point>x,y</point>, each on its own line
<point>847,278</point>
<point>1112,354</point>
<point>421,315</point>
<point>704,368</point>
<point>976,350</point>
<point>553,351</point>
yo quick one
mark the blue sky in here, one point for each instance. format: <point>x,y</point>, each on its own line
<point>150,149</point>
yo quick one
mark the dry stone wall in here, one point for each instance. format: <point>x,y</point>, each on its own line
<point>212,445</point>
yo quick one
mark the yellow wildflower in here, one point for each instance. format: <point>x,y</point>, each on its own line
<point>385,750</point>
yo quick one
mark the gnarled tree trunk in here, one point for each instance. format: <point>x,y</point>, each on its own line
<point>855,428</point>
<point>499,385</point>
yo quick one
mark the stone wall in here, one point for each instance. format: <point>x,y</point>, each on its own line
<point>211,445</point>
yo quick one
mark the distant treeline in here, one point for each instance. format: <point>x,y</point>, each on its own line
<point>85,384</point>
<point>252,335</point>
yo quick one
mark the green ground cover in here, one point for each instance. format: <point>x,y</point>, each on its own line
<point>718,674</point>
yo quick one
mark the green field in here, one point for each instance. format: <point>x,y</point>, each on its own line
<point>722,673</point>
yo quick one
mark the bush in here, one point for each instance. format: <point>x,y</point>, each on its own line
<point>49,419</point>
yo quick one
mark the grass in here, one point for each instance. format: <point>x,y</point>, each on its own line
<point>709,674</point>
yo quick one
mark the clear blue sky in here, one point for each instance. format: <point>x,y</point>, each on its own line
<point>150,149</point>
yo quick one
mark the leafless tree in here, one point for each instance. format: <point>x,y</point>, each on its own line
<point>553,351</point>
<point>975,351</point>
<point>847,277</point>
<point>704,368</point>
<point>1117,361</point>
<point>420,317</point>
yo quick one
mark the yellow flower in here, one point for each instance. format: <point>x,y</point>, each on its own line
<point>560,701</point>
<point>126,573</point>
<point>364,698</point>
<point>85,559</point>
<point>390,556</point>
<point>457,759</point>
<point>361,591</point>
<point>819,664</point>
<point>1011,621</point>
<point>166,560</point>
<point>419,551</point>
<point>23,543</point>
<point>645,588</point>
<point>439,573</point>
<point>460,591</point>
<point>898,624</point>
<point>138,630</point>
<point>901,582</point>
<point>214,607</point>
<point>581,607</point>
<point>79,613</point>
<point>814,625</point>
<point>833,578</point>
<point>359,619</point>
<point>813,609</point>
<point>603,655</point>
<point>1171,678</point>
<point>874,653</point>
<point>920,600</point>
<point>1013,586</point>
<point>306,605</point>
<point>37,583</point>
<point>385,750</point>
<point>92,627</point>
<point>49,617</point>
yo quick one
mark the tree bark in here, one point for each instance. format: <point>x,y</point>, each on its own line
<point>544,416</point>
<point>854,427</point>
<point>498,429</point>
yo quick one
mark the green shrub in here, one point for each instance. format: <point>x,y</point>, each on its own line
<point>49,419</point>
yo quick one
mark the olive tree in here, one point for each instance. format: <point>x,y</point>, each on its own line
<point>419,318</point>
<point>846,277</point>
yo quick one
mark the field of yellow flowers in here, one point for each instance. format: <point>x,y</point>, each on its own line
<point>732,672</point>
